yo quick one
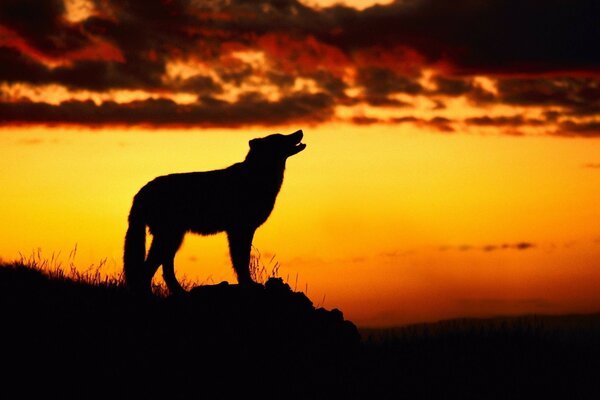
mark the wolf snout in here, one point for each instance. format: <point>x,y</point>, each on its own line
<point>297,136</point>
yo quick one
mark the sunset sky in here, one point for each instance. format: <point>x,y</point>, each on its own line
<point>452,165</point>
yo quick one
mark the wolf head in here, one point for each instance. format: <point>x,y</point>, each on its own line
<point>276,147</point>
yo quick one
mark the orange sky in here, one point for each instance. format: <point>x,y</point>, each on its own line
<point>452,166</point>
<point>391,225</point>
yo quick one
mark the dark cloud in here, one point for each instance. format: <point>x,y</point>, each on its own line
<point>235,74</point>
<point>511,121</point>
<point>379,83</point>
<point>438,123</point>
<point>494,36</point>
<point>251,109</point>
<point>579,96</point>
<point>98,75</point>
<point>200,85</point>
<point>382,82</point>
<point>331,84</point>
<point>492,247</point>
<point>362,120</point>
<point>453,87</point>
<point>382,101</point>
<point>541,55</point>
<point>91,75</point>
<point>16,67</point>
<point>579,129</point>
<point>509,246</point>
<point>40,23</point>
<point>592,165</point>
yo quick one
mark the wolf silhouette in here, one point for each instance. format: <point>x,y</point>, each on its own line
<point>236,200</point>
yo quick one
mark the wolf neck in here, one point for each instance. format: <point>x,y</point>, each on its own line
<point>270,172</point>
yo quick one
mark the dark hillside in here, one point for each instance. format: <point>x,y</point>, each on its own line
<point>82,339</point>
<point>64,338</point>
<point>525,357</point>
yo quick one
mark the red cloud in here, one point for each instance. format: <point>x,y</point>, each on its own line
<point>96,50</point>
<point>302,54</point>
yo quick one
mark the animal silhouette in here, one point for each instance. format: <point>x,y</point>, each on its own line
<point>236,200</point>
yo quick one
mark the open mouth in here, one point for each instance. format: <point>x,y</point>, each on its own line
<point>297,137</point>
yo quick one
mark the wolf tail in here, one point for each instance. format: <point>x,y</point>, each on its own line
<point>134,252</point>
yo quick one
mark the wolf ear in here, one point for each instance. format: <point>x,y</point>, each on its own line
<point>253,143</point>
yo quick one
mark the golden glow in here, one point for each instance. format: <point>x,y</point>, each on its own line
<point>179,71</point>
<point>305,85</point>
<point>78,10</point>
<point>56,94</point>
<point>358,4</point>
<point>390,224</point>
<point>182,70</point>
<point>486,83</point>
<point>426,79</point>
<point>254,58</point>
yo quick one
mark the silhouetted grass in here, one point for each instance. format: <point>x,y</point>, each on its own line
<point>56,268</point>
<point>82,335</point>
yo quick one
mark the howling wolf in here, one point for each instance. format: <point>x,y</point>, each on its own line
<point>236,200</point>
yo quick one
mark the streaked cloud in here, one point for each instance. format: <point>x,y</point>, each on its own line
<point>520,246</point>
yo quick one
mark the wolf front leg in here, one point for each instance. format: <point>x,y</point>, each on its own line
<point>240,242</point>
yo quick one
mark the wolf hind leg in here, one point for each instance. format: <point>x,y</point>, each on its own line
<point>170,244</point>
<point>240,243</point>
<point>153,261</point>
<point>162,252</point>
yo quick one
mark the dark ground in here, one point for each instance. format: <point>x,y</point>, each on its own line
<point>65,339</point>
